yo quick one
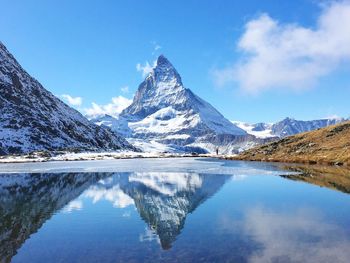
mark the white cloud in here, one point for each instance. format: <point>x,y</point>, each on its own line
<point>146,68</point>
<point>125,89</point>
<point>74,101</point>
<point>333,116</point>
<point>113,108</point>
<point>302,236</point>
<point>168,183</point>
<point>290,56</point>
<point>294,235</point>
<point>156,47</point>
<point>114,195</point>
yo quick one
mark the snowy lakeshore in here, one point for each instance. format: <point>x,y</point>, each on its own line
<point>90,156</point>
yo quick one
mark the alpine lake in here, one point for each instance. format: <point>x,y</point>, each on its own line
<point>173,210</point>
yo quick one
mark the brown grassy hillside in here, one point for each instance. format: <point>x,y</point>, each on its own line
<point>330,145</point>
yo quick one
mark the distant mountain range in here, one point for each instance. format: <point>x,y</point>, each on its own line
<point>32,119</point>
<point>286,127</point>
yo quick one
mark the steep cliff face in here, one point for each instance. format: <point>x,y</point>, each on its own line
<point>31,118</point>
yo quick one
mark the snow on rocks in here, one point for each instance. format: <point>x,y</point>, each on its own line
<point>33,119</point>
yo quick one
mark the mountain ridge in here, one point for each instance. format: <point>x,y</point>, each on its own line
<point>33,119</point>
<point>286,127</point>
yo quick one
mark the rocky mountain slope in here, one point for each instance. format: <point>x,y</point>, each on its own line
<point>329,145</point>
<point>32,119</point>
<point>166,116</point>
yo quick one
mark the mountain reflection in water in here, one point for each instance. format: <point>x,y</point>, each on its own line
<point>162,199</point>
<point>88,217</point>
<point>28,200</point>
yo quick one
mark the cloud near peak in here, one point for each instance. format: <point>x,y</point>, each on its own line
<point>73,101</point>
<point>289,56</point>
<point>146,68</point>
<point>113,108</point>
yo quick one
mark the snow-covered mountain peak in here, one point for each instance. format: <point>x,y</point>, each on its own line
<point>165,111</point>
<point>162,60</point>
<point>164,71</point>
<point>164,66</point>
<point>164,63</point>
<point>161,88</point>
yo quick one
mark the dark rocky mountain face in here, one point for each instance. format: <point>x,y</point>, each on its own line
<point>31,118</point>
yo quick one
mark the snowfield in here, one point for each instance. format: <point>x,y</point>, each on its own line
<point>91,156</point>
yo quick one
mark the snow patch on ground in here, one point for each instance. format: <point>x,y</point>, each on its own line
<point>91,156</point>
<point>150,146</point>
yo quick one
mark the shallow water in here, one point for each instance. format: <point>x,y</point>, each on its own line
<point>170,210</point>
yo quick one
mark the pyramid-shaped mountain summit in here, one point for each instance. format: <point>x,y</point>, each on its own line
<point>162,92</point>
<point>167,116</point>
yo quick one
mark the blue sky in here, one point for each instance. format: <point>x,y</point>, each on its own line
<point>253,60</point>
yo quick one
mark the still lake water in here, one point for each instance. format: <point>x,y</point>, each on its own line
<point>169,210</point>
